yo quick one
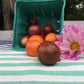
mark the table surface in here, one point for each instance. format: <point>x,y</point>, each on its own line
<point>19,68</point>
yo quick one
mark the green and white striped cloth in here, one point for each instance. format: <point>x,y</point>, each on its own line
<point>18,68</point>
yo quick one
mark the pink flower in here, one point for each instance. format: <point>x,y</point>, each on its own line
<point>71,43</point>
<point>76,28</point>
<point>60,39</point>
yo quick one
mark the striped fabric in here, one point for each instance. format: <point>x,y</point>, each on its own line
<point>18,68</point>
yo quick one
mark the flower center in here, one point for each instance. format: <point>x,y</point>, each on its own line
<point>75,46</point>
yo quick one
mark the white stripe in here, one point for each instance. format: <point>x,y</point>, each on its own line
<point>70,61</point>
<point>53,68</point>
<point>14,52</point>
<point>42,78</point>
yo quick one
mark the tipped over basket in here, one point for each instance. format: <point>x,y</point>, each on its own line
<point>46,11</point>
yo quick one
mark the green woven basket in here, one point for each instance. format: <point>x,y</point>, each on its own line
<point>46,11</point>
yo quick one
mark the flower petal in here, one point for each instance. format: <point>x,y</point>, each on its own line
<point>82,43</point>
<point>59,37</point>
<point>65,40</point>
<point>73,59</point>
<point>72,52</point>
<point>82,48</point>
<point>75,37</point>
<point>80,28</point>
<point>69,36</point>
<point>82,35</point>
<point>75,54</point>
<point>64,48</point>
<point>66,43</point>
<point>74,28</point>
<point>65,30</point>
<point>65,55</point>
<point>58,43</point>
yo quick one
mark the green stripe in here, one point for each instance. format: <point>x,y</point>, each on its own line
<point>39,64</point>
<point>41,82</point>
<point>82,54</point>
<point>42,72</point>
<point>31,58</point>
<point>7,51</point>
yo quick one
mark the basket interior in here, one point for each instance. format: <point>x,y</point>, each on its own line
<point>48,12</point>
